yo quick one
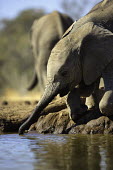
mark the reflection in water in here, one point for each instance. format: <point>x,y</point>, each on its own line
<point>69,152</point>
<point>56,152</point>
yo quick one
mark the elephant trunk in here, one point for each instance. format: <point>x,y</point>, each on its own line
<point>50,92</point>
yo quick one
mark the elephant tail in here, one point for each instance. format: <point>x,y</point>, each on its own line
<point>33,82</point>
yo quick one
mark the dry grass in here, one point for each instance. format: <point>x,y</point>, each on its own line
<point>13,95</point>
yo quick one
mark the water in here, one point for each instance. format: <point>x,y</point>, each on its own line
<point>56,152</point>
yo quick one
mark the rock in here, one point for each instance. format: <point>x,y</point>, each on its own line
<point>102,125</point>
<point>53,123</point>
<point>27,102</point>
<point>55,119</point>
<point>35,102</point>
<point>4,103</point>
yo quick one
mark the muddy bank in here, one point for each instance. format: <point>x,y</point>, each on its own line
<point>55,120</point>
<point>13,113</point>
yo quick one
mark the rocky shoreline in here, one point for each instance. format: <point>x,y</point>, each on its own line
<point>55,119</point>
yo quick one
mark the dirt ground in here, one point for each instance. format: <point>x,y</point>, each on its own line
<point>14,112</point>
<point>17,107</point>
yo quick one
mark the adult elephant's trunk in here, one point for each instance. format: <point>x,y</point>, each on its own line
<point>50,92</point>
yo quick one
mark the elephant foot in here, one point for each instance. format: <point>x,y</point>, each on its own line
<point>106,103</point>
<point>79,113</point>
<point>94,109</point>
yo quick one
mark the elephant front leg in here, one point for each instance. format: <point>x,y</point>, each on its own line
<point>76,110</point>
<point>106,103</point>
<point>90,93</point>
<point>92,101</point>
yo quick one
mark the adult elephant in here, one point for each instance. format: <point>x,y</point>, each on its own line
<point>102,15</point>
<point>45,33</point>
<point>81,57</point>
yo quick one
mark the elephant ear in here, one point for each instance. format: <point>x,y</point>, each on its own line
<point>69,30</point>
<point>96,52</point>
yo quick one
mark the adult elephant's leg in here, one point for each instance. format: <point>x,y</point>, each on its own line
<point>76,110</point>
<point>106,103</point>
<point>42,68</point>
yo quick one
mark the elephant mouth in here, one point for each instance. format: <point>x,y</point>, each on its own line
<point>64,91</point>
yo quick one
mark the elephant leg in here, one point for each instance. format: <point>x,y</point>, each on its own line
<point>89,92</point>
<point>42,74</point>
<point>92,101</point>
<point>106,103</point>
<point>42,79</point>
<point>76,110</point>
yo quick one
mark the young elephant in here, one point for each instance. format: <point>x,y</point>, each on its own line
<point>82,56</point>
<point>45,33</point>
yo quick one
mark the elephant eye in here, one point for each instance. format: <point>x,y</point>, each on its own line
<point>64,73</point>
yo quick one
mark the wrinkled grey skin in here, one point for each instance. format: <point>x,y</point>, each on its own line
<point>80,58</point>
<point>45,33</point>
<point>102,15</point>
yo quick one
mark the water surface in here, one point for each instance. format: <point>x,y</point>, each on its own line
<point>56,152</point>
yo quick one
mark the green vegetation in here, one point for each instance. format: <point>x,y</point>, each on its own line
<point>16,60</point>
